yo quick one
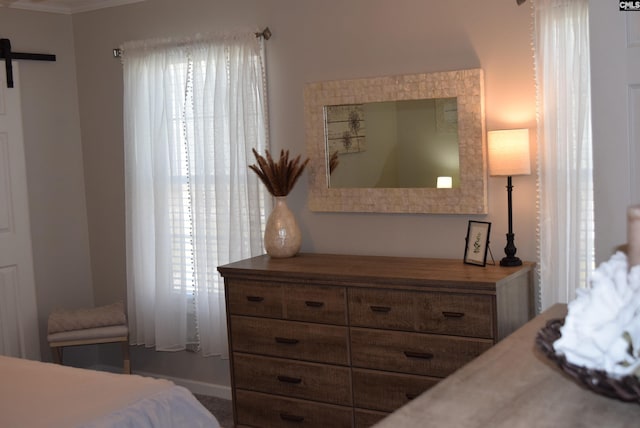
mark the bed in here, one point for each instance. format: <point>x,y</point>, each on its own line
<point>35,394</point>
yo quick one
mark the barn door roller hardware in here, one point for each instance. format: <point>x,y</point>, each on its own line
<point>7,55</point>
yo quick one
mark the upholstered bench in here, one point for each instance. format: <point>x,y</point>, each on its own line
<point>104,324</point>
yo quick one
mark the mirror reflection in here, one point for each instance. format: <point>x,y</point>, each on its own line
<point>345,130</point>
<point>393,144</point>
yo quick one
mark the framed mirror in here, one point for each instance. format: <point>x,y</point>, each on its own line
<point>388,144</point>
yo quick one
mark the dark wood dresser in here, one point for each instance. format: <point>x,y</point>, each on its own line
<point>321,340</point>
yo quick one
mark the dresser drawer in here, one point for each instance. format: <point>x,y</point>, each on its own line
<point>254,298</point>
<point>290,339</point>
<point>385,391</point>
<point>320,382</point>
<point>367,418</point>
<point>382,309</point>
<point>327,305</point>
<point>263,410</point>
<point>429,312</point>
<point>314,303</point>
<point>456,314</point>
<point>417,353</point>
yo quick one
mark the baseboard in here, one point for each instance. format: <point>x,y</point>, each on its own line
<point>196,387</point>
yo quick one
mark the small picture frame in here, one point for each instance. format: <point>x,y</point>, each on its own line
<point>477,243</point>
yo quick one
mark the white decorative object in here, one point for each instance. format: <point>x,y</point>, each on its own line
<point>602,327</point>
<point>282,237</point>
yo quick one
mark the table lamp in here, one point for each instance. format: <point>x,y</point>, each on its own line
<point>509,156</point>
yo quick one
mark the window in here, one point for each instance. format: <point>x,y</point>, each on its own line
<point>193,111</point>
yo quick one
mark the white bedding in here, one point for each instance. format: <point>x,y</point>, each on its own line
<point>35,394</point>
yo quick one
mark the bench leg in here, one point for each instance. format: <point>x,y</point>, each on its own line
<point>127,359</point>
<point>56,353</point>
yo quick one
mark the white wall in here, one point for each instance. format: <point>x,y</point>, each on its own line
<point>373,38</point>
<point>365,38</point>
<point>313,40</point>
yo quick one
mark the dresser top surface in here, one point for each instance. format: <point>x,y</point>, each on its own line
<point>375,269</point>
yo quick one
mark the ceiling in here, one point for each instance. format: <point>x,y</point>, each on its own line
<point>64,6</point>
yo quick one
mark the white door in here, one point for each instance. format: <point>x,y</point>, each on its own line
<point>615,99</point>
<point>19,336</point>
<point>632,48</point>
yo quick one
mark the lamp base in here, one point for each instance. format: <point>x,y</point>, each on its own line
<point>510,261</point>
<point>510,258</point>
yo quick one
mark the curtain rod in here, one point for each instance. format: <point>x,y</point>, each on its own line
<point>265,34</point>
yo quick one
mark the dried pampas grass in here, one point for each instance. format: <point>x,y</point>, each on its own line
<point>280,176</point>
<point>333,161</point>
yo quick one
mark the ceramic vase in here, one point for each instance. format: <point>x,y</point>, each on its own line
<point>282,237</point>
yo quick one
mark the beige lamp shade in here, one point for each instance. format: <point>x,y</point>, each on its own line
<point>444,182</point>
<point>509,152</point>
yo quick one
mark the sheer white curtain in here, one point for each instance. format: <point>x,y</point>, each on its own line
<point>193,110</point>
<point>566,242</point>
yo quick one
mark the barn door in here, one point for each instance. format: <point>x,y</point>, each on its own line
<point>19,336</point>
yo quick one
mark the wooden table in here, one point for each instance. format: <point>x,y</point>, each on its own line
<point>513,384</point>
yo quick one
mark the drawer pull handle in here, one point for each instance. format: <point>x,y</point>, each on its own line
<point>286,340</point>
<point>420,355</point>
<point>383,309</point>
<point>255,298</point>
<point>291,418</point>
<point>453,314</point>
<point>289,379</point>
<point>411,396</point>
<point>313,304</point>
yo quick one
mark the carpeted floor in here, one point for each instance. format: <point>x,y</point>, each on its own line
<point>220,408</point>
